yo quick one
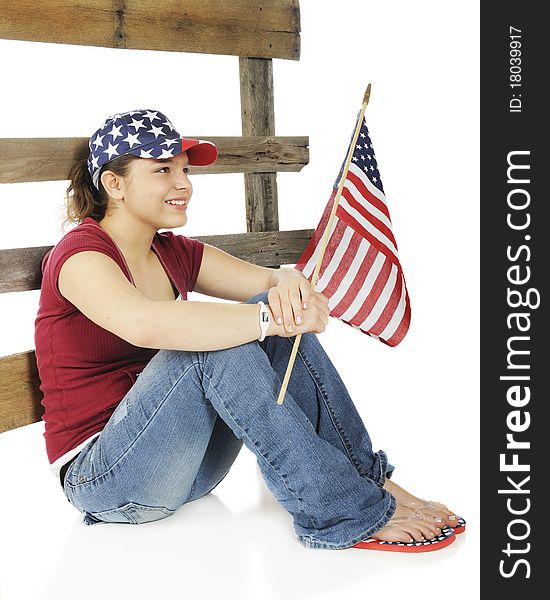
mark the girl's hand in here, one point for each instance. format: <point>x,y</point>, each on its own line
<point>295,306</point>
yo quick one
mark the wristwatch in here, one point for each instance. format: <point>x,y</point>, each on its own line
<point>265,320</point>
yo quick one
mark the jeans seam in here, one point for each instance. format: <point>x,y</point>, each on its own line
<point>77,485</point>
<point>383,465</point>
<point>339,429</point>
<point>260,450</point>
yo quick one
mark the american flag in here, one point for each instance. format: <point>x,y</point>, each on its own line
<point>360,272</point>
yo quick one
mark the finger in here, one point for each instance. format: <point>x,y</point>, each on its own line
<point>323,313</point>
<point>294,295</point>
<point>324,301</point>
<point>274,300</point>
<point>305,290</point>
<point>288,318</point>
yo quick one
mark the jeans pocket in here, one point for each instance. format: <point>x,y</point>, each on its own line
<point>132,513</point>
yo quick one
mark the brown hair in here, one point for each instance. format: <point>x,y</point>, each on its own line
<point>83,199</point>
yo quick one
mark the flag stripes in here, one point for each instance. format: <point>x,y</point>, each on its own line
<point>360,272</point>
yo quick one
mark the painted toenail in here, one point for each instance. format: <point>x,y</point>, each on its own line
<point>452,517</point>
<point>438,519</point>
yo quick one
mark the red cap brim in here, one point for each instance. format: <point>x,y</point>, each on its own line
<point>200,152</point>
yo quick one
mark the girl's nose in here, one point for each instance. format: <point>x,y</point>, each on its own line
<point>182,181</point>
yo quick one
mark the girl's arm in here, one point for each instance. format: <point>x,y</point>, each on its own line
<point>96,285</point>
<point>225,276</point>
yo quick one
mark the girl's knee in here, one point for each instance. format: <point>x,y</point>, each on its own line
<point>261,296</point>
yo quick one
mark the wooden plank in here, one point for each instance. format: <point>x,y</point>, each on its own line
<point>265,248</point>
<point>20,394</point>
<point>232,27</point>
<point>258,118</point>
<point>50,159</point>
<point>20,267</point>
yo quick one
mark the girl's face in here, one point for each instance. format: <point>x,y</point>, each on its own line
<point>158,190</point>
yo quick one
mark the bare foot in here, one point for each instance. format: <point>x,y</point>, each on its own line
<point>404,528</point>
<point>433,512</point>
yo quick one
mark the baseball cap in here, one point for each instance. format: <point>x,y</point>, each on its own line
<point>147,134</point>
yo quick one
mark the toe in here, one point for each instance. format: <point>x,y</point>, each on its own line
<point>415,532</point>
<point>437,509</point>
<point>429,532</point>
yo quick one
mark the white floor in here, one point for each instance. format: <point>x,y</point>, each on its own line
<point>238,542</point>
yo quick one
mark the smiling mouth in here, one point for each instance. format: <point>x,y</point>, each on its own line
<point>176,202</point>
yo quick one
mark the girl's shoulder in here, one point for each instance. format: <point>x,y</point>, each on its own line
<point>88,235</point>
<point>84,237</point>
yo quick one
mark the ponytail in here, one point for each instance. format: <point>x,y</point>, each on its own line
<point>83,199</point>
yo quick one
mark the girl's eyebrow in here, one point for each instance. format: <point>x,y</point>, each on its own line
<point>169,160</point>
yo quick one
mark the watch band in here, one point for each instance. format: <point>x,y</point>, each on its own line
<point>265,319</point>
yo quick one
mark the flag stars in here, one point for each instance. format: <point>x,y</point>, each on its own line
<point>93,163</point>
<point>364,158</point>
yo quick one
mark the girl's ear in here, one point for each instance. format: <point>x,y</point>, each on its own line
<point>113,184</point>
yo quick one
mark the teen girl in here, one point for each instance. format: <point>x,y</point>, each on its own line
<point>149,397</point>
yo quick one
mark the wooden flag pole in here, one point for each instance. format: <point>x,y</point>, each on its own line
<point>286,379</point>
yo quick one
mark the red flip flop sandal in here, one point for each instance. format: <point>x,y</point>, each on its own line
<point>445,538</point>
<point>460,526</point>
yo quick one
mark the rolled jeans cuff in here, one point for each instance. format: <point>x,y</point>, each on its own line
<point>381,468</point>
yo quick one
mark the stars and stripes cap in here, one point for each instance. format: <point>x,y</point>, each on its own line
<point>146,134</point>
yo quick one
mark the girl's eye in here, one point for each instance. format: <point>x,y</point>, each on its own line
<point>167,169</point>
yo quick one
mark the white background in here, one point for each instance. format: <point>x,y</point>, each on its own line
<point>419,400</point>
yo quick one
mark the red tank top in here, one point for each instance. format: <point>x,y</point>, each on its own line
<point>85,370</point>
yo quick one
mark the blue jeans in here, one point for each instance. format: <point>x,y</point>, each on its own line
<point>178,430</point>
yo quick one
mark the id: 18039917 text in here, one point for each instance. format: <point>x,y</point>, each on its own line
<point>515,104</point>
